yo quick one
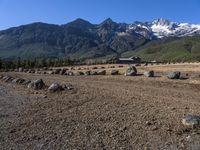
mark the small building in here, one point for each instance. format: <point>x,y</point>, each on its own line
<point>131,60</point>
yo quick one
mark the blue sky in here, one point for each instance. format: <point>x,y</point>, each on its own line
<point>18,12</point>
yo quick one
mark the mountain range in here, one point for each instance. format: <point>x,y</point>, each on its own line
<point>82,39</point>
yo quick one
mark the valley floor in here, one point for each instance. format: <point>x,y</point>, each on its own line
<point>102,112</point>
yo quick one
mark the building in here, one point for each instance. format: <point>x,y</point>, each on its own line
<point>131,60</point>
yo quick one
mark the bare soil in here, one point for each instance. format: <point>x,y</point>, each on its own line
<point>101,112</point>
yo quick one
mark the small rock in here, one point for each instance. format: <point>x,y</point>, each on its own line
<point>174,75</point>
<point>67,86</point>
<point>149,73</point>
<point>131,71</point>
<point>114,72</point>
<point>191,120</point>
<point>55,87</point>
<point>101,72</point>
<point>37,84</point>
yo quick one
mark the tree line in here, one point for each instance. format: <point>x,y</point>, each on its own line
<point>37,63</point>
<point>50,62</point>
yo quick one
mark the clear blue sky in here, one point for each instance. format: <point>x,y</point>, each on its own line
<point>18,12</point>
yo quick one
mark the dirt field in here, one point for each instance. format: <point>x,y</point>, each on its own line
<point>102,112</point>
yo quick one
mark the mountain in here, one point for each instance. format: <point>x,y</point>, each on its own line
<point>175,49</point>
<point>81,39</point>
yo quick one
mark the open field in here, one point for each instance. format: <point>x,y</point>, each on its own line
<point>102,112</point>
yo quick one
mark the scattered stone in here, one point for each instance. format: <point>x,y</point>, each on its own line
<point>70,73</point>
<point>94,73</point>
<point>95,68</point>
<point>101,72</point>
<point>88,73</point>
<point>174,75</point>
<point>67,86</point>
<point>57,71</point>
<point>20,69</point>
<point>149,73</point>
<point>37,84</point>
<point>79,73</point>
<point>114,72</point>
<point>7,78</point>
<point>131,71</point>
<point>55,87</point>
<point>27,82</point>
<point>191,120</point>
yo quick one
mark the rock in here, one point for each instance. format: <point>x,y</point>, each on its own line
<point>114,72</point>
<point>20,69</point>
<point>7,78</point>
<point>149,73</point>
<point>131,71</point>
<point>37,84</point>
<point>62,71</point>
<point>70,73</point>
<point>27,82</point>
<point>174,75</point>
<point>67,86</point>
<point>191,120</point>
<point>94,73</point>
<point>55,87</point>
<point>101,72</point>
<point>57,71</point>
<point>18,80</point>
<point>88,73</point>
<point>94,67</point>
<point>79,73</point>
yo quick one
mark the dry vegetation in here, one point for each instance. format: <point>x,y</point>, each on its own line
<point>102,112</point>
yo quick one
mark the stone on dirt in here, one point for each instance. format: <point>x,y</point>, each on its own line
<point>67,86</point>
<point>191,120</point>
<point>131,71</point>
<point>88,73</point>
<point>114,72</point>
<point>174,75</point>
<point>149,73</point>
<point>55,87</point>
<point>37,84</point>
<point>101,72</point>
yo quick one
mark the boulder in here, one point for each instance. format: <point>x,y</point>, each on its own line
<point>55,87</point>
<point>131,71</point>
<point>62,71</point>
<point>26,82</point>
<point>174,75</point>
<point>37,84</point>
<point>88,73</point>
<point>20,69</point>
<point>114,72</point>
<point>93,73</point>
<point>57,71</point>
<point>149,73</point>
<point>191,120</point>
<point>101,72</point>
<point>7,78</point>
<point>79,73</point>
<point>70,73</point>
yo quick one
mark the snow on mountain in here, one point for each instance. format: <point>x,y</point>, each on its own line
<point>161,28</point>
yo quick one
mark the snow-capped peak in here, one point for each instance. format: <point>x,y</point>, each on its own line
<point>165,28</point>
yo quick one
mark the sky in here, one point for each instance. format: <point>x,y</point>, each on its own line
<point>20,12</point>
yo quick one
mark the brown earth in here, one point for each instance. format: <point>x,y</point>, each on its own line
<point>102,112</point>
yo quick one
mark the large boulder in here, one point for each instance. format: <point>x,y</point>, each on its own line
<point>191,120</point>
<point>149,73</point>
<point>114,72</point>
<point>131,71</point>
<point>55,87</point>
<point>37,84</point>
<point>174,75</point>
<point>101,72</point>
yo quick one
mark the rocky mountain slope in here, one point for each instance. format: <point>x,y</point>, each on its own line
<point>81,39</point>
